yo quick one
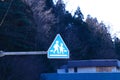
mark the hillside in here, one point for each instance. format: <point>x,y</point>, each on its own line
<point>31,25</point>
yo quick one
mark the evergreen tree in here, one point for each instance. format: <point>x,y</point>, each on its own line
<point>78,16</point>
<point>18,29</point>
<point>117,46</point>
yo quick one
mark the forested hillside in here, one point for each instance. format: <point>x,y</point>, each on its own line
<point>31,25</point>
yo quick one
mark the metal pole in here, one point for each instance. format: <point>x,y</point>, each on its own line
<point>22,53</point>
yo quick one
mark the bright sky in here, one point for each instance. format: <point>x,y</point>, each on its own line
<point>105,10</point>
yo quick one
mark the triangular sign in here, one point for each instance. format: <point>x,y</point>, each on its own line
<point>58,49</point>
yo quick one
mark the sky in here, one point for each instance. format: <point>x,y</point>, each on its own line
<point>104,10</point>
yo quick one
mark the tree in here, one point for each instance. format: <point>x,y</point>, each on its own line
<point>18,29</point>
<point>60,7</point>
<point>101,40</point>
<point>78,16</point>
<point>117,46</point>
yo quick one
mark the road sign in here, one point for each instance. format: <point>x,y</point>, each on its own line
<point>58,49</point>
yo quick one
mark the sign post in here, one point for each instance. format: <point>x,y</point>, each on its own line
<point>22,53</point>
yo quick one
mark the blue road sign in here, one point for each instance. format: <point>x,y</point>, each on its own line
<point>58,49</point>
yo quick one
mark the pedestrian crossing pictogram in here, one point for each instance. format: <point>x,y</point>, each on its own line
<point>58,49</point>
